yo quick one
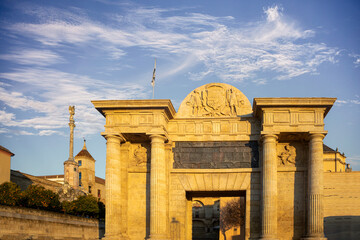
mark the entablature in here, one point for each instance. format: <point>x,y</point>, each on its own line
<point>292,114</point>
<point>214,129</point>
<point>131,117</point>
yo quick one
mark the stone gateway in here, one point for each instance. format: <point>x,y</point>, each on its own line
<point>270,154</point>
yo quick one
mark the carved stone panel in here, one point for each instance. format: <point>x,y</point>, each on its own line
<point>216,155</point>
<point>140,156</point>
<point>290,154</point>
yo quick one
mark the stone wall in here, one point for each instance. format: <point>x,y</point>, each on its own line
<point>342,205</point>
<point>22,223</point>
<point>291,204</point>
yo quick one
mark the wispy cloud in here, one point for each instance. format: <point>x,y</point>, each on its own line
<point>355,100</point>
<point>217,46</point>
<point>356,58</point>
<point>232,52</point>
<point>32,57</point>
<point>57,90</point>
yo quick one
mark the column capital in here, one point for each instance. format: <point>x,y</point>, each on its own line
<point>113,136</point>
<point>157,138</point>
<point>317,135</point>
<point>269,136</point>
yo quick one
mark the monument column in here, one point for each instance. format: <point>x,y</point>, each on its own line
<point>71,167</point>
<point>315,214</point>
<point>113,219</point>
<point>269,188</point>
<point>158,189</point>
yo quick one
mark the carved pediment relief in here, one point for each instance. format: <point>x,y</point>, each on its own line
<point>215,100</point>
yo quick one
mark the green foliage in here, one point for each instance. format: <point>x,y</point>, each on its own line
<point>87,206</point>
<point>10,194</point>
<point>38,197</point>
<point>69,207</point>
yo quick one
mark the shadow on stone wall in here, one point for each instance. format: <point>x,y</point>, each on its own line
<point>299,205</point>
<point>342,227</point>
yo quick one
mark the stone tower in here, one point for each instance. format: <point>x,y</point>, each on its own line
<point>86,165</point>
<point>71,168</point>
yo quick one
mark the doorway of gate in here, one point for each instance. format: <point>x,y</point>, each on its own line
<point>218,215</point>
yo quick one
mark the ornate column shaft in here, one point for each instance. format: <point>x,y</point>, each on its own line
<point>113,188</point>
<point>269,190</point>
<point>158,189</point>
<point>315,217</point>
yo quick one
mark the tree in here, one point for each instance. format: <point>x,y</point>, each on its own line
<point>10,194</point>
<point>36,196</point>
<point>231,215</point>
<point>87,206</point>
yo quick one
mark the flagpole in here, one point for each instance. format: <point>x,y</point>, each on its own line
<point>153,80</point>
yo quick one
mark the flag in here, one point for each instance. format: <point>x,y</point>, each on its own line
<point>153,78</point>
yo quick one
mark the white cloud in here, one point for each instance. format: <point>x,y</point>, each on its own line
<point>355,101</point>
<point>48,132</point>
<point>219,46</point>
<point>56,91</point>
<point>231,53</point>
<point>356,59</point>
<point>5,117</point>
<point>33,57</point>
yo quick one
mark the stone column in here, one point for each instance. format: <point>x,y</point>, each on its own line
<point>158,189</point>
<point>269,188</point>
<point>315,214</point>
<point>113,219</point>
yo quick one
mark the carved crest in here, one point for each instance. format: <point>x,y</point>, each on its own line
<point>215,100</point>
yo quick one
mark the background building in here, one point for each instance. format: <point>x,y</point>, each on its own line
<point>5,163</point>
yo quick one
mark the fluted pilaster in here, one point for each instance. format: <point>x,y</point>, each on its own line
<point>269,190</point>
<point>315,217</point>
<point>158,189</point>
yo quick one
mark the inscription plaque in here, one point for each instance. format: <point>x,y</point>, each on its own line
<point>216,155</point>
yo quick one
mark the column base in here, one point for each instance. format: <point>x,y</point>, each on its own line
<point>314,238</point>
<point>158,237</point>
<point>116,237</point>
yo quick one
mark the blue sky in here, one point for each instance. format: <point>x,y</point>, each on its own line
<point>59,53</point>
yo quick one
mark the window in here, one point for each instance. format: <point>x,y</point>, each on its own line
<point>79,178</point>
<point>74,169</point>
<point>89,189</point>
<point>99,193</point>
<point>79,163</point>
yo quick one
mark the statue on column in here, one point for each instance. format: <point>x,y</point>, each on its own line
<point>72,112</point>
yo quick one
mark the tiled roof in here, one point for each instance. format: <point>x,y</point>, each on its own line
<point>99,180</point>
<point>327,148</point>
<point>52,176</point>
<point>6,150</point>
<point>84,153</point>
